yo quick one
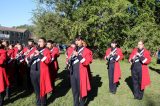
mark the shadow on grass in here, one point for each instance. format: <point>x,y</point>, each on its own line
<point>62,88</point>
<point>154,69</point>
<point>18,93</point>
<point>149,101</point>
<point>95,83</point>
<point>129,83</point>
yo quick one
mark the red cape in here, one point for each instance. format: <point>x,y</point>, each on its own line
<point>55,54</point>
<point>10,68</point>
<point>117,70</point>
<point>69,52</point>
<point>45,81</point>
<point>145,71</point>
<point>31,52</point>
<point>25,49</point>
<point>3,77</point>
<point>10,53</point>
<point>54,65</point>
<point>84,78</point>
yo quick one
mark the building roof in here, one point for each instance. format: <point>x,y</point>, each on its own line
<point>2,28</point>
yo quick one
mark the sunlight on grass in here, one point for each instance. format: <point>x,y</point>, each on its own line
<point>99,96</point>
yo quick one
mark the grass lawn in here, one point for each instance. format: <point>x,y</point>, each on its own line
<point>99,96</point>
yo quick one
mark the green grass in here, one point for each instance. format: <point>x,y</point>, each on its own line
<point>99,96</point>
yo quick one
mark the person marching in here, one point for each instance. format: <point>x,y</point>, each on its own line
<point>68,54</point>
<point>79,78</point>
<point>158,56</point>
<point>51,65</point>
<point>39,74</point>
<point>21,66</point>
<point>30,49</point>
<point>113,56</point>
<point>140,58</point>
<point>55,54</point>
<point>10,69</point>
<point>70,50</point>
<point>4,83</point>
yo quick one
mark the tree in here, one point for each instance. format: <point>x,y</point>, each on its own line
<point>100,21</point>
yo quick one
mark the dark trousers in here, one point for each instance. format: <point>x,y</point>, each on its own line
<point>7,92</point>
<point>75,85</point>
<point>137,78</point>
<point>35,79</point>
<point>1,98</point>
<point>112,85</point>
<point>28,79</point>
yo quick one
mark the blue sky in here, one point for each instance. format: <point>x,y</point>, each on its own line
<point>16,12</point>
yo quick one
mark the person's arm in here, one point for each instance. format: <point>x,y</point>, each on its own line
<point>46,57</point>
<point>146,59</point>
<point>86,59</point>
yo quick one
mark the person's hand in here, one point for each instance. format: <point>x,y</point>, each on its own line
<point>113,53</point>
<point>31,55</point>
<point>36,52</point>
<point>130,61</point>
<point>75,53</point>
<point>26,52</point>
<point>138,54</point>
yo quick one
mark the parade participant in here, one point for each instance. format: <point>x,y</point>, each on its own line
<point>29,50</point>
<point>5,43</point>
<point>55,54</point>
<point>140,58</point>
<point>20,62</point>
<point>113,56</point>
<point>52,64</point>
<point>40,76</point>
<point>79,79</point>
<point>158,56</point>
<point>69,52</point>
<point>3,77</point>
<point>10,69</point>
<point>10,63</point>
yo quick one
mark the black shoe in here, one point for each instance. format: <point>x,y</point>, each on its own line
<point>113,92</point>
<point>139,98</point>
<point>135,97</point>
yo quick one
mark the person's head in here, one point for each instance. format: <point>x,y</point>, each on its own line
<point>42,42</point>
<point>10,46</point>
<point>73,45</point>
<point>18,43</point>
<point>113,44</point>
<point>1,46</point>
<point>30,42</point>
<point>19,47</point>
<point>140,44</point>
<point>79,41</point>
<point>5,43</point>
<point>54,44</point>
<point>49,44</point>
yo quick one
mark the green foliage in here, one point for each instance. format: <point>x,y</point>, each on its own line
<point>100,21</point>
